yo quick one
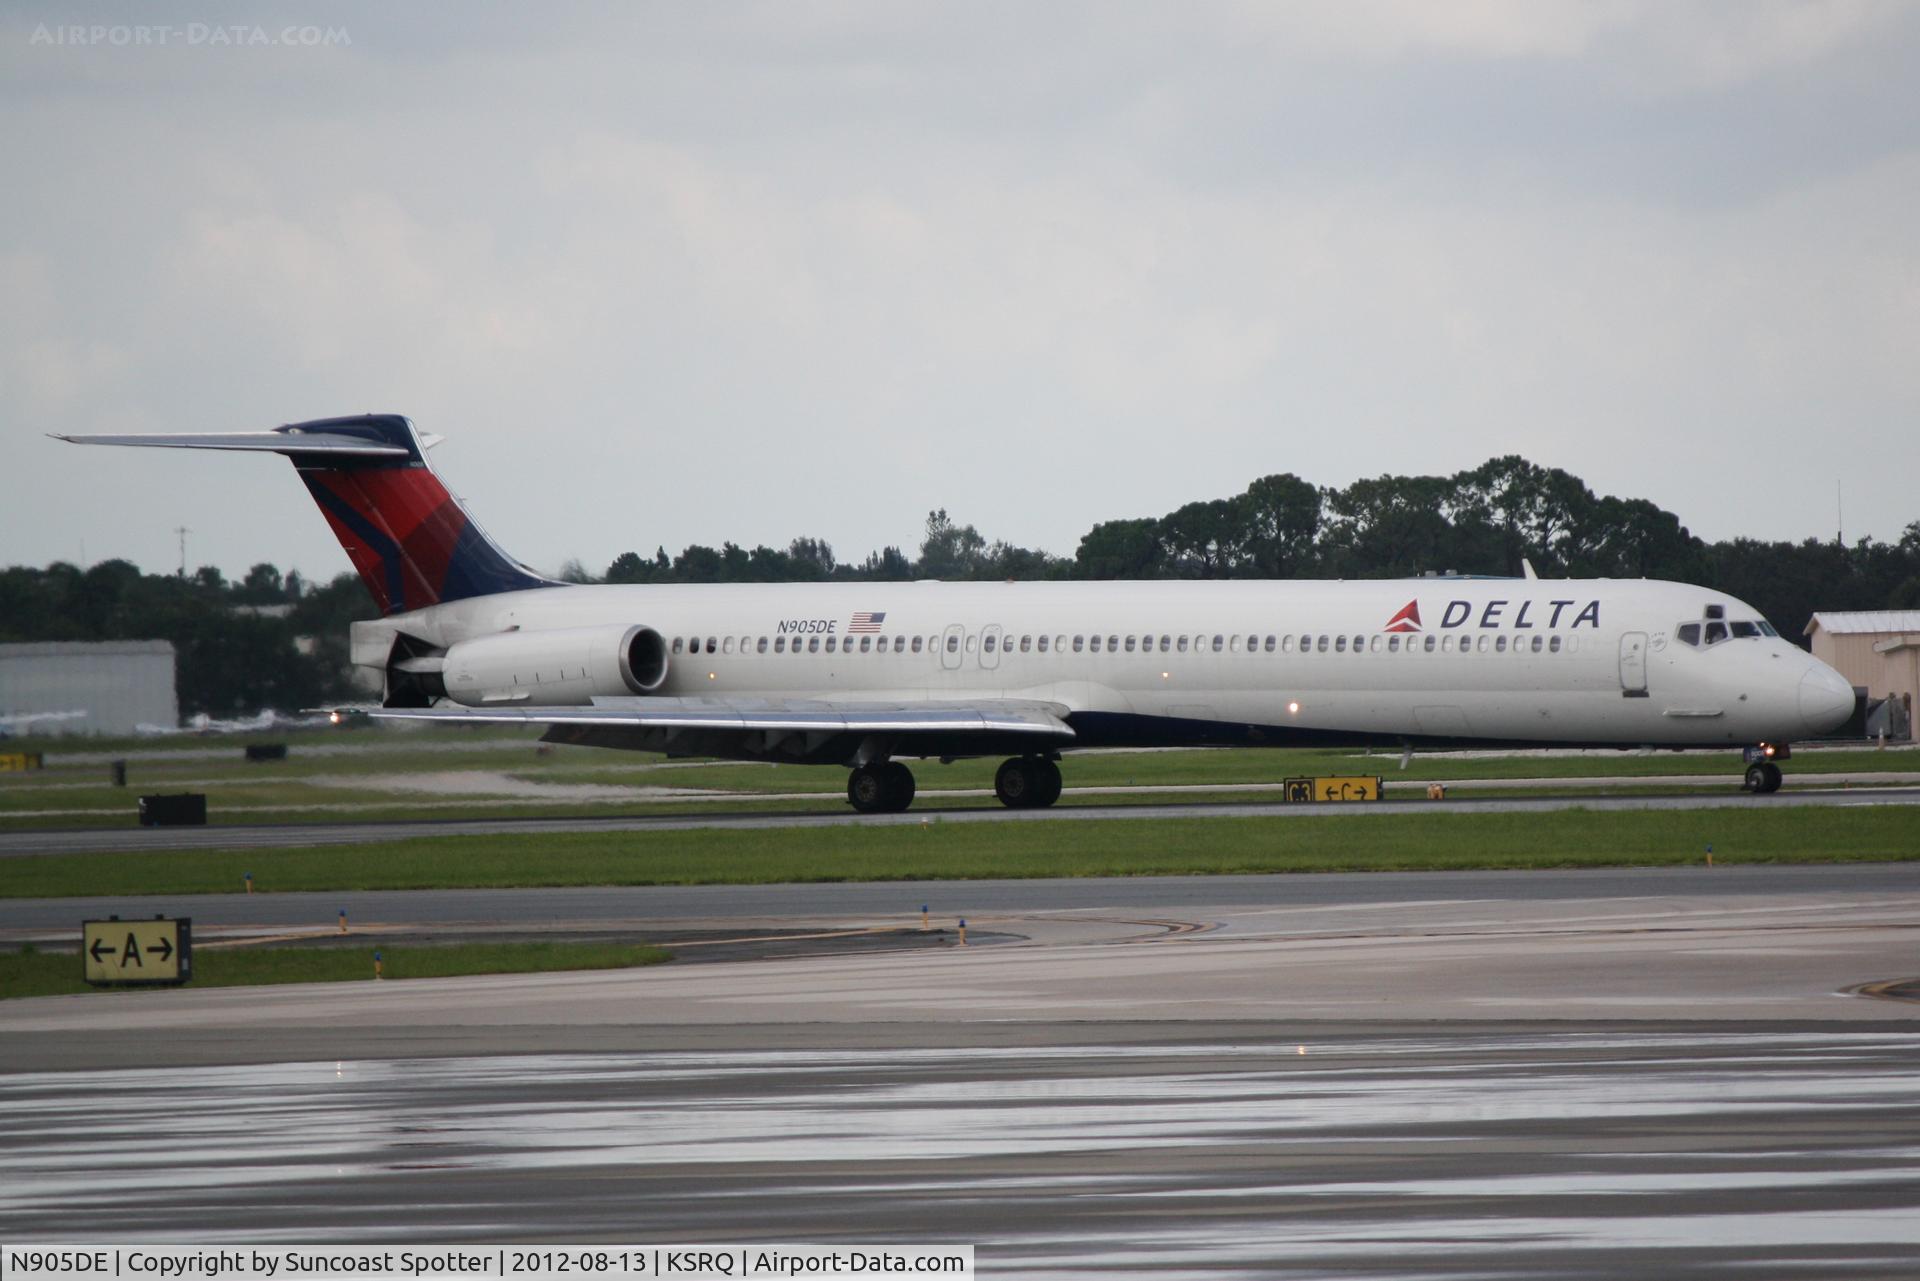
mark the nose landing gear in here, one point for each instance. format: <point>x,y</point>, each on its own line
<point>1763,776</point>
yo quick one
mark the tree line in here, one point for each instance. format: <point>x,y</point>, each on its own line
<point>236,659</point>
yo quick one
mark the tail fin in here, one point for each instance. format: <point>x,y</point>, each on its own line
<point>411,541</point>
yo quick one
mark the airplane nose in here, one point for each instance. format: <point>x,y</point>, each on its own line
<point>1826,700</point>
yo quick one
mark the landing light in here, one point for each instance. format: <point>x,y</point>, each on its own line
<point>1293,709</point>
<point>1767,749</point>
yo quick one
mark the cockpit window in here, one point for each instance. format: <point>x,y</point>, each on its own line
<point>1748,630</point>
<point>1687,633</point>
<point>1716,632</point>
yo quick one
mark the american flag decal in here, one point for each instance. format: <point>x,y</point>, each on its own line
<point>865,624</point>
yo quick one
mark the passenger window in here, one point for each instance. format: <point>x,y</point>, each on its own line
<point>1393,644</point>
<point>1113,644</point>
<point>1183,644</point>
<point>1339,644</point>
<point>866,644</point>
<point>988,643</point>
<point>813,644</point>
<point>1095,646</point>
<point>1270,644</point>
<point>1321,645</point>
<point>1234,645</point>
<point>1166,643</point>
<point>1043,644</point>
<point>1306,644</point>
<point>1538,645</point>
<point>1482,644</point>
<point>728,646</point>
<point>761,648</point>
<point>953,644</point>
<point>1429,645</point>
<point>1499,644</point>
<point>1553,644</point>
<point>971,642</point>
<point>1026,644</point>
<point>1219,642</point>
<point>1359,643</point>
<point>916,644</point>
<point>1375,644</point>
<point>1079,644</point>
<point>1286,643</point>
<point>678,642</point>
<point>833,644</point>
<point>1716,632</point>
<point>1129,644</point>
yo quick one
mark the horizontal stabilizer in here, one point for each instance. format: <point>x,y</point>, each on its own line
<point>282,440</point>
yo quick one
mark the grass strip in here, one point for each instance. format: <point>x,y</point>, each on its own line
<point>33,973</point>
<point>935,850</point>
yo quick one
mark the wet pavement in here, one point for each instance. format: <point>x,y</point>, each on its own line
<point>1478,1152</point>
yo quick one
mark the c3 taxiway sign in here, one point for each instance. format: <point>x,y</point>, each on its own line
<point>120,952</point>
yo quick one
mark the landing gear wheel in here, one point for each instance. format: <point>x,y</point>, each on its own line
<point>1014,784</point>
<point>1027,782</point>
<point>886,788</point>
<point>1763,777</point>
<point>1048,790</point>
<point>899,786</point>
<point>867,790</point>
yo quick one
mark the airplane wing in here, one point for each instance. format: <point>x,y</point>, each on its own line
<point>793,729</point>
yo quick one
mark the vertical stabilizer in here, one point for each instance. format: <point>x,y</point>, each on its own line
<point>411,541</point>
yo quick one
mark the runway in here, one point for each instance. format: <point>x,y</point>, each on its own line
<point>1674,1072</point>
<point>293,835</point>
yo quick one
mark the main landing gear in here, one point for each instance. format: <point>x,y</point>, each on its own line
<point>1027,783</point>
<point>885,787</point>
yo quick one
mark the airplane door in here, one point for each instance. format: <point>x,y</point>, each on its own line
<point>990,646</point>
<point>1633,664</point>
<point>951,645</point>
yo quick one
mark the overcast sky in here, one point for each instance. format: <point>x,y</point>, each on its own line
<point>675,274</point>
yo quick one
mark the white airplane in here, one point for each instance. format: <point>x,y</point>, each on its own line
<point>24,721</point>
<point>863,675</point>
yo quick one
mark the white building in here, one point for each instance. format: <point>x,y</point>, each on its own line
<point>117,684</point>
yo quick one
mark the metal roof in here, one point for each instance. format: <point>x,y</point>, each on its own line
<point>1844,622</point>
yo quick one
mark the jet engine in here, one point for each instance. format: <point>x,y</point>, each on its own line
<point>563,667</point>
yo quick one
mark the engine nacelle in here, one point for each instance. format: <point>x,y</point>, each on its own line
<point>564,667</point>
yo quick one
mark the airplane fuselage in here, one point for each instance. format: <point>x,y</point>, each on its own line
<point>1594,662</point>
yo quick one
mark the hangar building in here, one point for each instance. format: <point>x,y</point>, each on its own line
<point>1878,651</point>
<point>118,684</point>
